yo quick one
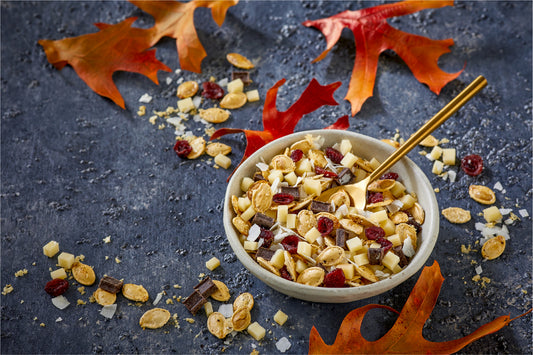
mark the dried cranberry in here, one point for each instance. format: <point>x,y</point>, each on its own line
<point>296,155</point>
<point>56,287</point>
<point>385,244</point>
<point>212,90</point>
<point>326,173</point>
<point>182,148</point>
<point>285,273</point>
<point>374,232</point>
<point>374,197</point>
<point>334,278</point>
<point>324,225</point>
<point>472,164</point>
<point>290,243</point>
<point>389,175</point>
<point>334,155</point>
<point>282,199</point>
<point>267,237</point>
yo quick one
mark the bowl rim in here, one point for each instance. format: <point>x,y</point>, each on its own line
<point>323,294</point>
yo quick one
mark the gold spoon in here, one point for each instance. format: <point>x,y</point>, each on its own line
<point>357,191</point>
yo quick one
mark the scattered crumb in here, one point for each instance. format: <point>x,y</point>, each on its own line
<point>7,289</point>
<point>81,302</point>
<point>190,320</point>
<point>169,301</point>
<point>107,239</point>
<point>81,290</point>
<point>466,250</point>
<point>141,111</point>
<point>436,189</point>
<point>21,273</point>
<point>176,286</point>
<point>117,260</point>
<point>42,325</point>
<point>254,352</point>
<point>152,119</point>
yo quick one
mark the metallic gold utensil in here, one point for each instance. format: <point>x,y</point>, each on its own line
<point>358,190</point>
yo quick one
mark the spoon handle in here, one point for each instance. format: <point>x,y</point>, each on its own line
<point>464,96</point>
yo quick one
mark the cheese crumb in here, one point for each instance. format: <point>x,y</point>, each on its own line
<point>21,273</point>
<point>7,289</point>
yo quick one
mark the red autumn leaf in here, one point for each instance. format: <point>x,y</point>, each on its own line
<point>176,19</point>
<point>405,337</point>
<point>96,56</point>
<point>374,35</point>
<point>277,124</point>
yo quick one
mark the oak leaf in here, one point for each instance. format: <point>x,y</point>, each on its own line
<point>96,56</point>
<point>373,35</point>
<point>277,124</point>
<point>405,337</point>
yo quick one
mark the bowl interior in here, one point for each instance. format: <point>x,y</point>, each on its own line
<point>366,147</point>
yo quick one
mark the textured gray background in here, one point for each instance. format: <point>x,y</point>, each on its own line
<point>76,168</point>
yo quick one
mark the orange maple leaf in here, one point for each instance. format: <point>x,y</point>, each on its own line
<point>96,56</point>
<point>374,35</point>
<point>277,124</point>
<point>175,19</point>
<point>405,337</point>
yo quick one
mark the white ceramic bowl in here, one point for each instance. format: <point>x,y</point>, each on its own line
<point>410,175</point>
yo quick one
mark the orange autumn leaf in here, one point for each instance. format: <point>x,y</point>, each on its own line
<point>96,56</point>
<point>176,19</point>
<point>277,124</point>
<point>373,35</point>
<point>405,337</point>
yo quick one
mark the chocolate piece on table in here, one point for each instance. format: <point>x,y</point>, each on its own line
<point>293,191</point>
<point>399,252</point>
<point>194,302</point>
<point>345,177</point>
<point>318,206</point>
<point>264,253</point>
<point>263,220</point>
<point>110,284</point>
<point>375,255</point>
<point>206,287</point>
<point>243,75</point>
<point>341,236</point>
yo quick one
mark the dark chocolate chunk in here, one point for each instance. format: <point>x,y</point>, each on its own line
<point>262,220</point>
<point>341,236</point>
<point>293,191</point>
<point>264,253</point>
<point>403,259</point>
<point>206,287</point>
<point>345,177</point>
<point>194,302</point>
<point>110,284</point>
<point>258,176</point>
<point>243,75</point>
<point>375,255</point>
<point>317,207</point>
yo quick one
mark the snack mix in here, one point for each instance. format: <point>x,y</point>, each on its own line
<point>291,225</point>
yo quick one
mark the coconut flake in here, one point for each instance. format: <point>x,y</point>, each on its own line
<point>407,248</point>
<point>479,269</point>
<point>253,233</point>
<point>498,186</point>
<point>283,344</point>
<point>196,101</point>
<point>168,80</point>
<point>145,99</point>
<point>381,275</point>
<point>275,185</point>
<point>395,206</point>
<point>505,211</point>
<point>342,211</point>
<point>452,175</point>
<point>158,298</point>
<point>59,319</point>
<point>262,166</point>
<point>523,213</point>
<point>60,302</point>
<point>509,221</point>
<point>223,82</point>
<point>109,310</point>
<point>226,310</point>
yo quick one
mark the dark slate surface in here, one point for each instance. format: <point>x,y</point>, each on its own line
<point>76,168</point>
